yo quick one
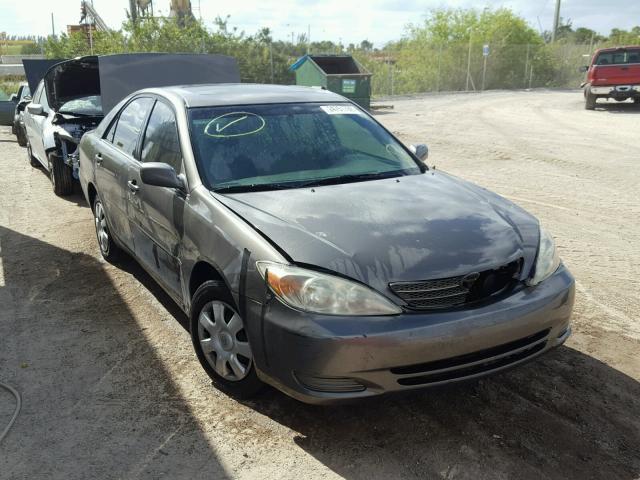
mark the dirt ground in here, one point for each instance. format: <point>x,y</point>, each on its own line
<point>112,390</point>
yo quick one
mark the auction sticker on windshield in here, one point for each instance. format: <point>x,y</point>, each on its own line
<point>341,110</point>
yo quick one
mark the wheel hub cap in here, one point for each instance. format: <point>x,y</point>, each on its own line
<point>223,341</point>
<point>226,342</point>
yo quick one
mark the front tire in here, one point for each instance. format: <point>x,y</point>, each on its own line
<point>20,136</point>
<point>221,342</point>
<point>109,250</point>
<point>61,175</point>
<point>33,161</point>
<point>589,100</point>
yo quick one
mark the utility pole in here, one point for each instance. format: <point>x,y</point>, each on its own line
<point>133,10</point>
<point>556,22</point>
<point>53,26</point>
<point>469,63</point>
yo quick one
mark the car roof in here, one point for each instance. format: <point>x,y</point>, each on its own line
<point>613,49</point>
<point>223,94</point>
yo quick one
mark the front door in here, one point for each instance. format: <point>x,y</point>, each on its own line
<point>34,125</point>
<point>113,157</point>
<point>156,213</point>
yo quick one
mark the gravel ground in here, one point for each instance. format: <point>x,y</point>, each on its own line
<point>111,387</point>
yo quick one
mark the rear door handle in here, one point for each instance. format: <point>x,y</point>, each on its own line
<point>99,159</point>
<point>133,186</point>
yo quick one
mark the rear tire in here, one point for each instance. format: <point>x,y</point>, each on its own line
<point>61,175</point>
<point>109,250</point>
<point>221,341</point>
<point>589,100</point>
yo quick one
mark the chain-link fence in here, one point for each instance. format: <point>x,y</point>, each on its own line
<point>477,67</point>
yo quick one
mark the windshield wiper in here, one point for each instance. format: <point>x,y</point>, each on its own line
<point>254,187</point>
<point>361,177</point>
<point>76,114</point>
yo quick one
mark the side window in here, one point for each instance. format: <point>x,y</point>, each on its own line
<point>130,122</point>
<point>161,143</point>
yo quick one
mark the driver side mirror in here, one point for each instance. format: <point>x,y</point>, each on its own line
<point>13,98</point>
<point>161,175</point>
<point>421,151</point>
<point>584,68</point>
<point>35,109</point>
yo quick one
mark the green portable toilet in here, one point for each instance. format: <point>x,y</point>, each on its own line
<point>341,74</point>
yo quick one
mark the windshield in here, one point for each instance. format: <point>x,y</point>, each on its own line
<point>618,57</point>
<point>292,145</point>
<point>25,92</point>
<point>90,105</point>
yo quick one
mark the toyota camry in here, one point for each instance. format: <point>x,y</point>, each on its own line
<point>314,251</point>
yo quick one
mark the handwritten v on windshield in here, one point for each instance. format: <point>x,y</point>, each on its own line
<point>218,129</point>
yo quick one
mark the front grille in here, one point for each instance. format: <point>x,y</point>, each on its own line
<point>458,291</point>
<point>481,361</point>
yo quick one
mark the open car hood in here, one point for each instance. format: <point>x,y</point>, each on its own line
<point>34,70</point>
<point>113,77</point>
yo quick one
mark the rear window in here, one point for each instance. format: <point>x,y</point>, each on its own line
<point>618,57</point>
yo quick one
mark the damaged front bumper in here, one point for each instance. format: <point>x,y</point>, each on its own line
<point>67,133</point>
<point>321,359</point>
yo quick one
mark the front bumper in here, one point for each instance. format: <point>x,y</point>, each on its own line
<point>625,91</point>
<point>320,359</point>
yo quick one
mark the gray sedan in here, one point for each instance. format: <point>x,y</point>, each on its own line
<point>312,250</point>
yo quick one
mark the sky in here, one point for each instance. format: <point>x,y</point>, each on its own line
<point>348,21</point>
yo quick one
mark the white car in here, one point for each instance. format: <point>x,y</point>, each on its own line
<point>65,105</point>
<point>70,100</point>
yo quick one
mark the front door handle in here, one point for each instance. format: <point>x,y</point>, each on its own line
<point>133,186</point>
<point>99,159</point>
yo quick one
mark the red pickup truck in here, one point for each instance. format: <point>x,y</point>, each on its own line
<point>613,73</point>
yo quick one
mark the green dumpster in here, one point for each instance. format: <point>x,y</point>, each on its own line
<point>341,74</point>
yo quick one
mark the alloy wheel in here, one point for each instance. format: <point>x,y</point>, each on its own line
<point>224,341</point>
<point>102,231</point>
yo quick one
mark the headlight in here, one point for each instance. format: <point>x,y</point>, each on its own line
<point>548,260</point>
<point>321,293</point>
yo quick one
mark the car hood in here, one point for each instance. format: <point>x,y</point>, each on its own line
<point>415,227</point>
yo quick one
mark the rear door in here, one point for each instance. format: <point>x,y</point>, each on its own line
<point>156,213</point>
<point>114,155</point>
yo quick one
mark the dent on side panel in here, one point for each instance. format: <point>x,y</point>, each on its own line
<point>219,237</point>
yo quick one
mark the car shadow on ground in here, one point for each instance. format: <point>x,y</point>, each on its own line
<point>565,416</point>
<point>97,400</point>
<point>76,197</point>
<point>615,107</point>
